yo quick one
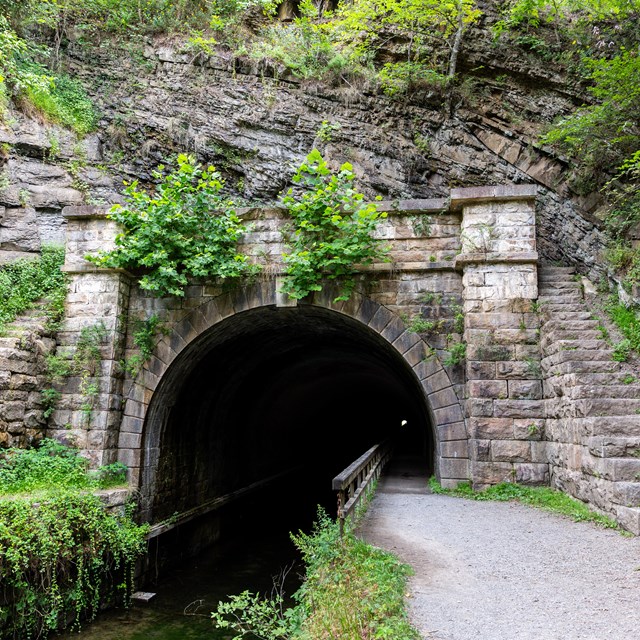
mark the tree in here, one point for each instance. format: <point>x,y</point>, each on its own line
<point>420,20</point>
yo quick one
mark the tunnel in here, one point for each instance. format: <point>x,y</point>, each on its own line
<point>280,399</point>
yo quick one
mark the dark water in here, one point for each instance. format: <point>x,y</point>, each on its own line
<point>255,550</point>
<point>186,596</point>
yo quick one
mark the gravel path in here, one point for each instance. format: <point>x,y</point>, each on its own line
<point>503,571</point>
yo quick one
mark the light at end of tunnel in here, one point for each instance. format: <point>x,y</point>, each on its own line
<point>403,423</point>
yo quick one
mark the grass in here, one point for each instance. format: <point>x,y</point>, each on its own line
<point>540,497</point>
<point>351,591</point>
<point>51,468</point>
<point>627,320</point>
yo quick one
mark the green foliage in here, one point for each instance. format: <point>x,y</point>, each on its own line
<point>305,46</point>
<point>60,556</point>
<point>351,591</point>
<point>145,334</point>
<point>603,135</point>
<point>457,354</point>
<point>400,78</point>
<point>540,497</point>
<point>186,229</point>
<point>124,16</point>
<point>418,324</point>
<point>333,230</point>
<point>421,21</point>
<point>59,98</point>
<point>60,551</point>
<point>51,467</point>
<point>24,282</point>
<point>627,319</point>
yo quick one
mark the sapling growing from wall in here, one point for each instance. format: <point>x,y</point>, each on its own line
<point>332,230</point>
<point>187,228</point>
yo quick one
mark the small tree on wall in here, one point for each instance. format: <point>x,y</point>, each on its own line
<point>187,228</point>
<point>332,230</point>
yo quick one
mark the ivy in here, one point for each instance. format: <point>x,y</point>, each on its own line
<point>61,553</point>
<point>332,230</point>
<point>25,282</point>
<point>187,228</point>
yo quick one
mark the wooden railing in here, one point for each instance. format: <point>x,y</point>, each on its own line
<point>353,482</point>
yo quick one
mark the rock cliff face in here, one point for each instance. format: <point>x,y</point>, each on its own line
<point>255,121</point>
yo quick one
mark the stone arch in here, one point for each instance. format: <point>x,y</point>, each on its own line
<point>445,411</point>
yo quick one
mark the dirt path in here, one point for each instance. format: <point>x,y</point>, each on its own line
<point>502,571</point>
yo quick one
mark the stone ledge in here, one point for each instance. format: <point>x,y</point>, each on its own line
<point>461,197</point>
<point>428,205</point>
<point>85,211</point>
<point>518,257</point>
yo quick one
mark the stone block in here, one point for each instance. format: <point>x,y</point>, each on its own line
<point>528,429</point>
<point>130,457</point>
<point>132,425</point>
<point>489,473</point>
<point>525,389</point>
<point>516,370</point>
<point>487,389</point>
<point>454,449</point>
<point>415,354</point>
<point>129,440</point>
<point>405,341</point>
<point>510,451</point>
<point>454,468</point>
<point>444,398</point>
<point>531,473</point>
<point>480,370</point>
<point>452,431</point>
<point>448,415</point>
<point>480,450</point>
<point>491,353</point>
<point>436,382</point>
<point>491,428</point>
<point>478,407</point>
<point>519,408</point>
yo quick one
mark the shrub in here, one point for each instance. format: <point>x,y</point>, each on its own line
<point>332,230</point>
<point>186,229</point>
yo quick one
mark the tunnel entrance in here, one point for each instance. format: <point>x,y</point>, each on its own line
<point>287,394</point>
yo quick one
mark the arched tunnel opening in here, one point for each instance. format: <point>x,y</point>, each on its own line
<point>279,400</point>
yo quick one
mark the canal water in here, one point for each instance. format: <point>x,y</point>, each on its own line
<point>256,554</point>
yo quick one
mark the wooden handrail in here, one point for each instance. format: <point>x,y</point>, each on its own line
<point>352,483</point>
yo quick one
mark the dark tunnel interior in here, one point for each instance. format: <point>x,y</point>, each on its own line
<point>272,390</point>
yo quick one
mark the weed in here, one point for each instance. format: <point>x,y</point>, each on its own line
<point>457,354</point>
<point>349,585</point>
<point>533,430</point>
<point>621,350</point>
<point>540,497</point>
<point>534,370</point>
<point>628,379</point>
<point>431,298</point>
<point>327,130</point>
<point>64,550</point>
<point>24,282</point>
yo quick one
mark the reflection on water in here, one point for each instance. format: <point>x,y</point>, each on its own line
<point>187,595</point>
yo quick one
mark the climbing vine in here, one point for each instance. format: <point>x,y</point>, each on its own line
<point>186,228</point>
<point>332,230</point>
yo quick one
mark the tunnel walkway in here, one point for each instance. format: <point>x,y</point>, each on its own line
<point>499,571</point>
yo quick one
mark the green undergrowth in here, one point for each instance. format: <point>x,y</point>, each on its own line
<point>24,282</point>
<point>351,590</point>
<point>53,467</point>
<point>540,497</point>
<point>627,321</point>
<point>62,555</point>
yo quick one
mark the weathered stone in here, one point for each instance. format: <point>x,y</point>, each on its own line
<point>488,389</point>
<point>510,451</point>
<point>525,389</point>
<point>491,428</point>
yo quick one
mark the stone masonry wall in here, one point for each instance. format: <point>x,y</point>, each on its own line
<point>500,286</point>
